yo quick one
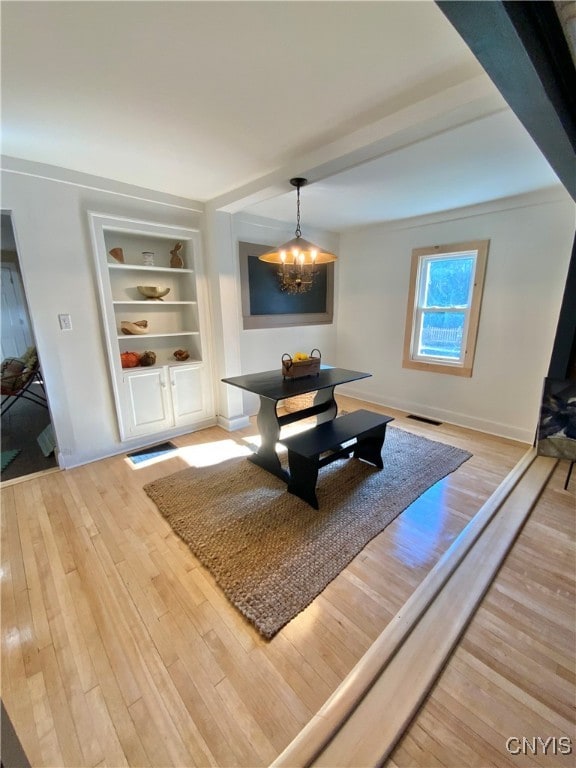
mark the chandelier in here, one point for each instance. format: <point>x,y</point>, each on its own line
<point>297,259</point>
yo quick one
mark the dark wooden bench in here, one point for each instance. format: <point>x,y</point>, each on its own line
<point>365,428</point>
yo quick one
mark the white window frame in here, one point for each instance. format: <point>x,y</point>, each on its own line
<point>478,249</point>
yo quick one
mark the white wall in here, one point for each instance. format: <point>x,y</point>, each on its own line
<point>49,209</point>
<point>53,241</point>
<point>527,265</point>
<point>262,349</point>
<point>530,245</point>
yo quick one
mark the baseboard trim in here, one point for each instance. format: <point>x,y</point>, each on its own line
<point>509,431</point>
<point>134,444</point>
<point>401,666</point>
<point>231,425</point>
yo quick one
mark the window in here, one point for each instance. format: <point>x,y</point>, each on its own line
<point>444,307</point>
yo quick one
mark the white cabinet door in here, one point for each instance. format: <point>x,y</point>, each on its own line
<point>187,387</point>
<point>147,408</point>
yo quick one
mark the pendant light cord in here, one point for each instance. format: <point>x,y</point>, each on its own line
<point>298,230</point>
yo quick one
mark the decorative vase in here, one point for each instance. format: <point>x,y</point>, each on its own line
<point>148,258</point>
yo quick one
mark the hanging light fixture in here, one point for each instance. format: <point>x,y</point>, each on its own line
<point>297,259</point>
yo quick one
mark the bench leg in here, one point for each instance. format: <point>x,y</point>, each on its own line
<point>303,477</point>
<point>369,447</point>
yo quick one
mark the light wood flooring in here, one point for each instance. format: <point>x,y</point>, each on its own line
<point>507,696</point>
<point>119,649</point>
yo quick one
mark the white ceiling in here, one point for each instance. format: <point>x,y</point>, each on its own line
<point>490,158</point>
<point>380,104</point>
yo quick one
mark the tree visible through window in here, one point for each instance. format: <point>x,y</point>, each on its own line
<point>444,307</point>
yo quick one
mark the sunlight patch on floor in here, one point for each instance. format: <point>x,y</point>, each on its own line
<point>253,440</point>
<point>201,455</point>
<point>306,622</point>
<point>291,429</point>
<point>207,454</point>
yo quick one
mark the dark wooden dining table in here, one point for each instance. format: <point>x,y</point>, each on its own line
<point>271,388</point>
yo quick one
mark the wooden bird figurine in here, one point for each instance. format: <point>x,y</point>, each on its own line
<point>176,261</point>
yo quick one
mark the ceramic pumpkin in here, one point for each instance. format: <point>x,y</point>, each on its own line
<point>130,359</point>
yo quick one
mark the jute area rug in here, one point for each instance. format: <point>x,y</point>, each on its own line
<point>270,552</point>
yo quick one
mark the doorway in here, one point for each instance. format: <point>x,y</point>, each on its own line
<point>27,437</point>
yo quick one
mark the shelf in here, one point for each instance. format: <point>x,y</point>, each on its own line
<point>131,337</point>
<point>156,366</point>
<point>143,268</point>
<point>152,303</point>
<point>172,394</point>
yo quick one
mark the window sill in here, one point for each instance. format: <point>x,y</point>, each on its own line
<point>451,370</point>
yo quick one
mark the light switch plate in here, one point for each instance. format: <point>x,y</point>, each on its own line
<point>65,322</point>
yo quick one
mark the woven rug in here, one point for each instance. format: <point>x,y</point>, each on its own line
<point>270,552</point>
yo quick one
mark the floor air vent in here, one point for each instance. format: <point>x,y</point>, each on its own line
<point>424,419</point>
<point>152,452</point>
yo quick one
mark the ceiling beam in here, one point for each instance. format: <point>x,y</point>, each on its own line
<point>523,49</point>
<point>454,106</point>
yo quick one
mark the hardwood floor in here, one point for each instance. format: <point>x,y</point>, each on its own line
<point>507,696</point>
<point>119,649</point>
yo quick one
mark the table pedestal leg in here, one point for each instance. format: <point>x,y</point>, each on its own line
<point>269,428</point>
<point>326,398</point>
